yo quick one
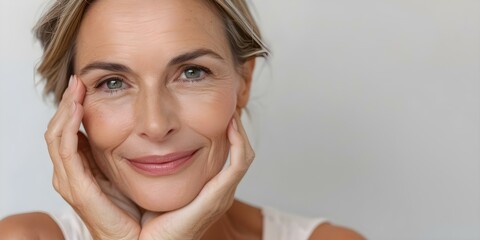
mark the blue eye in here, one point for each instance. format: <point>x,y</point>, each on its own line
<point>194,73</point>
<point>112,85</point>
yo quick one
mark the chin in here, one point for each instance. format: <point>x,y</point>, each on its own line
<point>166,201</point>
<point>169,193</point>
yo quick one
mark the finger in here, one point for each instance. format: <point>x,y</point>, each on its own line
<point>74,92</point>
<point>224,184</point>
<point>53,137</point>
<point>56,124</point>
<point>79,90</point>
<point>85,149</point>
<point>53,148</point>
<point>241,151</point>
<point>241,156</point>
<point>67,96</point>
<point>73,163</point>
<point>69,144</point>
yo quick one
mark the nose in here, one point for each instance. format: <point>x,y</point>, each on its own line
<point>156,115</point>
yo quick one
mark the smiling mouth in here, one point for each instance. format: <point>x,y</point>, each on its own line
<point>161,165</point>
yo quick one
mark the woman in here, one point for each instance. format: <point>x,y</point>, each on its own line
<point>159,87</point>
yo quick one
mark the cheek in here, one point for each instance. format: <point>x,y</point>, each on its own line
<point>209,114</point>
<point>107,125</point>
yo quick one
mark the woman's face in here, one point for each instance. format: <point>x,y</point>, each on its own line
<point>161,89</point>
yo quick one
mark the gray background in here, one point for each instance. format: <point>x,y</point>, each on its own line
<point>368,114</point>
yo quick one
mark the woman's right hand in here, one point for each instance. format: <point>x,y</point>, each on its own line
<point>107,213</point>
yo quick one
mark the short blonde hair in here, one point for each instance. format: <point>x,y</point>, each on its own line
<point>57,29</point>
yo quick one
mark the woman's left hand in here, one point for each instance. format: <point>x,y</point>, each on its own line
<point>216,197</point>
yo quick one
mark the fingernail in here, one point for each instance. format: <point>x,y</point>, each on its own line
<point>72,83</point>
<point>73,108</point>
<point>234,123</point>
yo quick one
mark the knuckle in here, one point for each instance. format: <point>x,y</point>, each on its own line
<point>52,123</point>
<point>221,207</point>
<point>250,156</point>
<point>242,140</point>
<point>217,211</point>
<point>240,171</point>
<point>48,136</point>
<point>56,184</point>
<point>65,153</point>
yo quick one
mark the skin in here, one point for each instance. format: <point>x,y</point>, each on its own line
<point>149,107</point>
<point>157,110</point>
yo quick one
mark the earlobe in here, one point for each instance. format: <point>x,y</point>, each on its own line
<point>244,90</point>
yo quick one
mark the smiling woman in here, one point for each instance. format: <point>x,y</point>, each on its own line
<point>159,87</point>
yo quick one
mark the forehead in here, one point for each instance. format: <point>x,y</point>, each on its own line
<point>155,30</point>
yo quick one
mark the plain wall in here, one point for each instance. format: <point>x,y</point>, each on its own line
<point>368,113</point>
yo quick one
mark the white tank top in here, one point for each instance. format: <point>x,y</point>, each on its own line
<point>277,225</point>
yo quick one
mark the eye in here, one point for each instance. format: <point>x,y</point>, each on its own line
<point>112,85</point>
<point>194,73</point>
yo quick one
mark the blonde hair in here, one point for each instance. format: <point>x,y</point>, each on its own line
<point>57,29</point>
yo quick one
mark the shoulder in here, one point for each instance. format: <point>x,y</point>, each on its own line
<point>35,225</point>
<point>332,232</point>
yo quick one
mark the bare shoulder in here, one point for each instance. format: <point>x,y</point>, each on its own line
<point>35,225</point>
<point>329,231</point>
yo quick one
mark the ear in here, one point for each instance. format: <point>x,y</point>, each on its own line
<point>246,82</point>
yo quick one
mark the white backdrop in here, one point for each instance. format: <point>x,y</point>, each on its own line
<point>368,114</point>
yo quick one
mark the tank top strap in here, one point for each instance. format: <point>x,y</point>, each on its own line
<point>71,225</point>
<point>279,225</point>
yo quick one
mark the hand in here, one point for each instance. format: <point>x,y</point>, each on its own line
<point>107,213</point>
<point>216,197</point>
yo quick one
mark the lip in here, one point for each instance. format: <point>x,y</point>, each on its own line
<point>161,165</point>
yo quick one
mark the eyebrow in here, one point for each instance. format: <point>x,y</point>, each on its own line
<point>117,67</point>
<point>112,67</point>
<point>194,54</point>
